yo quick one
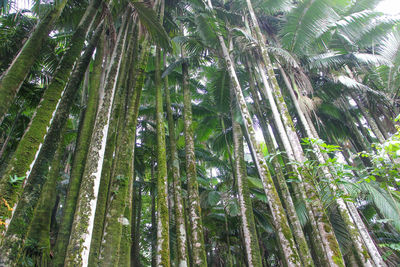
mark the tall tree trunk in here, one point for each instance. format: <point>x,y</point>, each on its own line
<point>136,219</point>
<point>284,233</point>
<point>12,79</point>
<point>79,159</point>
<point>106,174</point>
<point>23,212</point>
<point>180,229</point>
<point>353,230</point>
<point>119,210</point>
<point>31,143</point>
<point>328,238</point>
<point>39,230</point>
<point>281,181</point>
<point>246,208</point>
<point>162,257</point>
<point>153,216</point>
<point>318,218</point>
<point>196,225</point>
<point>81,233</point>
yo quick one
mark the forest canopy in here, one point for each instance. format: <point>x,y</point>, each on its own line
<point>199,133</point>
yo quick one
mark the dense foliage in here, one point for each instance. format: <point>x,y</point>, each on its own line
<point>195,133</point>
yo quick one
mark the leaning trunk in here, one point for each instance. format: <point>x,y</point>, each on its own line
<point>328,238</point>
<point>31,143</point>
<point>81,233</point>
<point>246,208</point>
<point>196,233</point>
<point>79,160</point>
<point>162,254</point>
<point>280,180</point>
<point>284,233</point>
<point>14,76</point>
<point>178,202</point>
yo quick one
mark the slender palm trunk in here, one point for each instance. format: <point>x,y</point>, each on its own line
<point>12,79</point>
<point>162,256</point>
<point>284,232</point>
<point>106,174</point>
<point>39,230</point>
<point>32,190</point>
<point>135,234</point>
<point>246,208</point>
<point>79,160</point>
<point>331,246</point>
<point>153,215</point>
<point>280,179</point>
<point>347,215</point>
<point>181,257</point>
<point>114,250</point>
<point>320,224</point>
<point>31,143</point>
<point>196,234</point>
<point>80,240</point>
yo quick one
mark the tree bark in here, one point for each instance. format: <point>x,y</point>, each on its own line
<point>162,257</point>
<point>284,233</point>
<point>81,233</point>
<point>22,216</point>
<point>246,208</point>
<point>79,160</point>
<point>31,143</point>
<point>328,238</point>
<point>196,234</point>
<point>180,229</point>
<point>12,79</point>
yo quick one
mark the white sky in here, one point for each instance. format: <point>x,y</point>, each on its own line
<point>387,6</point>
<point>391,7</point>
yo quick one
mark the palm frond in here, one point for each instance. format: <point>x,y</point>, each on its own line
<point>390,47</point>
<point>305,23</point>
<point>284,55</point>
<point>150,20</point>
<point>353,84</point>
<point>383,202</point>
<point>336,60</point>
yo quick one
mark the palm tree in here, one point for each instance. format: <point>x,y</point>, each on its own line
<point>12,79</point>
<point>99,189</point>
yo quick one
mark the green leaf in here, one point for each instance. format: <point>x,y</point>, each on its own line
<point>15,179</point>
<point>255,182</point>
<point>213,198</point>
<point>233,208</point>
<point>150,20</point>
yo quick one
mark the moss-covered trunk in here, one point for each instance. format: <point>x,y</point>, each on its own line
<point>353,226</point>
<point>31,143</point>
<point>115,249</point>
<point>79,159</point>
<point>12,79</point>
<point>285,237</point>
<point>293,147</point>
<point>106,174</point>
<point>153,215</point>
<point>180,229</point>
<point>246,208</point>
<point>23,213</point>
<point>196,234</point>
<point>280,179</point>
<point>82,227</point>
<point>37,243</point>
<point>162,254</point>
